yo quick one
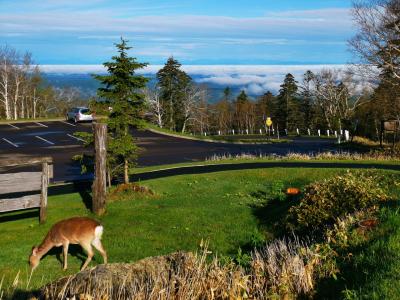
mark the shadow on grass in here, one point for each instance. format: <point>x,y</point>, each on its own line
<point>272,215</point>
<point>369,261</point>
<point>84,189</point>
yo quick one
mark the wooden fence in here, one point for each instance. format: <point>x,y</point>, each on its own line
<point>25,189</point>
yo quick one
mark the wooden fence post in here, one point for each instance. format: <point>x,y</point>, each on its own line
<point>43,195</point>
<point>99,184</point>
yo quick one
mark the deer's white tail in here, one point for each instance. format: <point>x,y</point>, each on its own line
<point>98,232</point>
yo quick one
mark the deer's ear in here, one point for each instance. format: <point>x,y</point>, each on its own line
<point>34,251</point>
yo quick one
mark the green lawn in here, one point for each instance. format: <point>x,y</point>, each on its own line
<point>217,207</point>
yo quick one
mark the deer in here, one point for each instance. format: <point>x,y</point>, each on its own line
<point>78,230</point>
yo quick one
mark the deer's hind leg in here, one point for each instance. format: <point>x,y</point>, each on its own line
<point>98,245</point>
<point>88,248</point>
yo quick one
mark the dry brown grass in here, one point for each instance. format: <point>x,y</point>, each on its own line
<point>283,269</point>
<point>329,156</point>
<point>128,191</point>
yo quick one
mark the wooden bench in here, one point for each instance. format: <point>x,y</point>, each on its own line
<point>25,189</point>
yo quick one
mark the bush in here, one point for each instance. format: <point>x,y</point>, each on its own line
<point>326,201</point>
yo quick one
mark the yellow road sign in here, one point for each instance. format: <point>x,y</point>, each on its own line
<point>268,122</point>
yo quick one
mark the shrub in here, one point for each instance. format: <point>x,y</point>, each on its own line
<point>327,200</point>
<point>128,191</point>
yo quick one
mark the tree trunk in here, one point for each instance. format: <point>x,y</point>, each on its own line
<point>16,100</point>
<point>34,104</point>
<point>109,176</point>
<point>99,185</point>
<point>126,171</point>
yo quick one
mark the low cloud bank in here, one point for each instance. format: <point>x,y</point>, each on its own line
<point>254,79</point>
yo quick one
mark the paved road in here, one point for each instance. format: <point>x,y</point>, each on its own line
<point>56,139</point>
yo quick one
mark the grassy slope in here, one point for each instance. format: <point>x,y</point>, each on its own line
<point>186,209</point>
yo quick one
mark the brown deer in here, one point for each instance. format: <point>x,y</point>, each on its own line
<point>79,230</point>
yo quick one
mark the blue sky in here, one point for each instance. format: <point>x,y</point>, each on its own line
<point>201,32</point>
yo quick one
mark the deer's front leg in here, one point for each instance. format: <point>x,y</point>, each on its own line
<point>65,252</point>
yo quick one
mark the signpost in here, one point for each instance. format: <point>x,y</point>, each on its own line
<point>268,122</point>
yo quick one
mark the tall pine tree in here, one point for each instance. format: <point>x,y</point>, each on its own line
<point>288,112</point>
<point>173,83</point>
<point>121,89</point>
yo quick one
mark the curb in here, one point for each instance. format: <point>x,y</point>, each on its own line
<point>207,140</point>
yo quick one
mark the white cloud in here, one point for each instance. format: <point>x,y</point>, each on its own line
<point>254,79</point>
<point>102,22</point>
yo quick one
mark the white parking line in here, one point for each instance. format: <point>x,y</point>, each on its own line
<point>14,126</point>
<point>74,137</point>
<point>40,124</point>
<point>11,143</point>
<point>67,123</point>
<point>51,143</point>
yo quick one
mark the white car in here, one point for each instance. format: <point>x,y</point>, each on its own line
<point>79,114</point>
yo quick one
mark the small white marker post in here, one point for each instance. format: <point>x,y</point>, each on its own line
<point>341,132</point>
<point>298,132</point>
<point>247,131</point>
<point>319,133</point>
<point>347,135</point>
<point>328,133</point>
<point>335,133</point>
<point>205,133</point>
<point>260,131</point>
<point>233,131</point>
<point>286,132</point>
<point>273,130</point>
<point>309,131</point>
<point>219,132</point>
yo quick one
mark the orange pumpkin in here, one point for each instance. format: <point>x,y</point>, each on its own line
<point>292,191</point>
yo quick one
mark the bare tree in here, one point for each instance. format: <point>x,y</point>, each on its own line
<point>7,56</point>
<point>337,95</point>
<point>377,40</point>
<point>193,95</point>
<point>153,99</point>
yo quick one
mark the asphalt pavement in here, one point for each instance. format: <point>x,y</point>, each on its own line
<point>55,139</point>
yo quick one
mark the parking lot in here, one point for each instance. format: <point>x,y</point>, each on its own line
<point>56,139</point>
<point>40,134</point>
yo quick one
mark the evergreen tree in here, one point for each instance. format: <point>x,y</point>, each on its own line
<point>265,108</point>
<point>307,107</point>
<point>173,83</point>
<point>288,107</point>
<point>227,93</point>
<point>120,87</point>
<point>244,112</point>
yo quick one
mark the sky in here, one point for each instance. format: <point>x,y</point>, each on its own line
<point>200,32</point>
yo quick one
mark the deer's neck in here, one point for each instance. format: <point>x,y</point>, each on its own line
<point>44,247</point>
